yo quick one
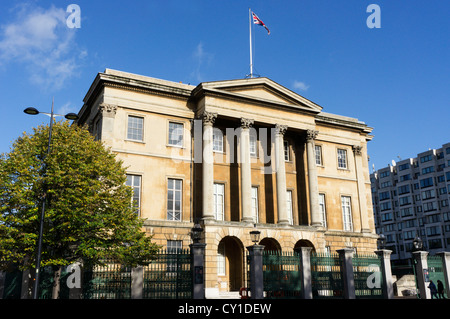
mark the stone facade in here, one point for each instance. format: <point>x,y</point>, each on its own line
<point>234,155</point>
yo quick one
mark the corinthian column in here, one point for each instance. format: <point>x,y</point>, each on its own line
<point>281,174</point>
<point>246,174</point>
<point>312,178</point>
<point>208,165</point>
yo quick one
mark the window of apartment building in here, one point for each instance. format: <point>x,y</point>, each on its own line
<point>385,184</point>
<point>289,207</point>
<point>427,182</point>
<point>219,195</point>
<point>318,154</point>
<point>323,210</point>
<point>384,195</point>
<point>253,145</point>
<point>435,243</point>
<point>135,182</point>
<point>403,166</point>
<point>135,130</point>
<point>407,224</point>
<point>426,158</point>
<point>442,190</point>
<point>287,157</point>
<point>405,177</point>
<point>255,209</point>
<point>433,231</point>
<point>385,206</point>
<point>406,212</point>
<point>410,234</point>
<point>347,213</point>
<point>384,174</point>
<point>175,134</point>
<point>430,206</point>
<point>217,140</point>
<point>431,193</point>
<point>436,218</point>
<point>447,175</point>
<point>174,195</point>
<point>403,189</point>
<point>441,179</point>
<point>427,170</point>
<point>404,200</point>
<point>342,158</point>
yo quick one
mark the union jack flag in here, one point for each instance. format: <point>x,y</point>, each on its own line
<point>258,21</point>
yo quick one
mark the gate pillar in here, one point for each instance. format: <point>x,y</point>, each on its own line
<point>198,265</point>
<point>256,271</point>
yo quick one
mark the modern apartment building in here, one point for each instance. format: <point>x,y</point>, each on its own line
<point>411,198</point>
<point>231,155</point>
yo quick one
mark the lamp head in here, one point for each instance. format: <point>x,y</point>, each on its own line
<point>71,116</point>
<point>254,235</point>
<point>196,233</point>
<point>31,111</point>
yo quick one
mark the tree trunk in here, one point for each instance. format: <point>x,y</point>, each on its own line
<point>56,283</point>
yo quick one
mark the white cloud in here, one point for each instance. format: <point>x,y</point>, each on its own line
<point>297,85</point>
<point>67,108</point>
<point>40,40</point>
<point>201,57</point>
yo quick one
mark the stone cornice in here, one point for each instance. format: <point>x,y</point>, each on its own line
<point>337,120</point>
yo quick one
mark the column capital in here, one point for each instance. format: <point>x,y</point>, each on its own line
<point>208,117</point>
<point>246,123</point>
<point>311,135</point>
<point>357,149</point>
<point>280,129</point>
<point>108,110</point>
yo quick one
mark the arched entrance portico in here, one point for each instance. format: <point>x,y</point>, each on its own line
<point>270,244</point>
<point>230,264</point>
<point>304,243</point>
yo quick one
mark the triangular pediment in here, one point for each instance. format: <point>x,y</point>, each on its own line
<point>263,90</point>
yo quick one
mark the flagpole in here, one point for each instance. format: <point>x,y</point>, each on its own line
<point>250,29</point>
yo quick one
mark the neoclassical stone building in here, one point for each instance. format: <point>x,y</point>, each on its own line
<point>234,155</point>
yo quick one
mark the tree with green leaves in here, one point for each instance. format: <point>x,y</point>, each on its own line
<point>89,214</point>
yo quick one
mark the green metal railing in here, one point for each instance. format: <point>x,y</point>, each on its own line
<point>169,276</point>
<point>111,281</point>
<point>436,270</point>
<point>12,285</point>
<point>367,276</point>
<point>281,275</point>
<point>326,277</point>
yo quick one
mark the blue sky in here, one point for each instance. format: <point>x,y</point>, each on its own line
<point>394,78</point>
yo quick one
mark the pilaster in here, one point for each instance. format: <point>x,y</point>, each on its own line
<point>312,178</point>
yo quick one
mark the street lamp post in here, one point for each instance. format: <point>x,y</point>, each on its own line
<point>69,116</point>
